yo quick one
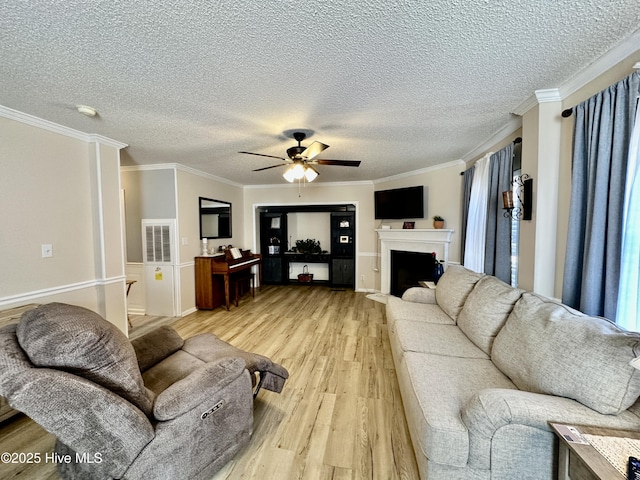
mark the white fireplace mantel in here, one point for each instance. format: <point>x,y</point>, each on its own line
<point>422,240</point>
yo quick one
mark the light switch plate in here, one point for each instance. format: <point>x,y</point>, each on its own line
<point>47,250</point>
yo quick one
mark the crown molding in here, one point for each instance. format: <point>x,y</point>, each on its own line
<point>620,52</point>
<point>200,173</point>
<point>421,171</point>
<point>539,96</point>
<point>34,121</point>
<point>95,138</point>
<point>310,185</point>
<point>509,129</point>
<point>176,167</point>
<point>548,95</point>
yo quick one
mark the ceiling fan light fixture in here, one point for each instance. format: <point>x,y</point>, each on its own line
<point>298,171</point>
<point>300,159</point>
<point>288,175</point>
<point>310,174</point>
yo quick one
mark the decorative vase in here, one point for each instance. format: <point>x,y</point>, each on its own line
<point>438,224</point>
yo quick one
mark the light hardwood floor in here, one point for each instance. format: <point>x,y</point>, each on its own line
<point>340,413</point>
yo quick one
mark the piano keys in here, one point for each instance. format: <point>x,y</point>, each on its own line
<point>215,273</point>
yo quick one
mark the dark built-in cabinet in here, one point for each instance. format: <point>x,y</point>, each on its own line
<point>342,249</point>
<point>273,244</point>
<point>341,258</point>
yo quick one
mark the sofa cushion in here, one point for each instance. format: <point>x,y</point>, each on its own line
<point>170,370</point>
<point>79,341</point>
<point>547,347</point>
<point>435,389</point>
<point>486,310</point>
<point>398,309</point>
<point>434,338</point>
<point>453,288</point>
<point>156,345</point>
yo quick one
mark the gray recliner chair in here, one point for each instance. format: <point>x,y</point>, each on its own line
<point>158,407</point>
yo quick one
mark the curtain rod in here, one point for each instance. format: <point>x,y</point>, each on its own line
<point>569,111</point>
<point>516,141</point>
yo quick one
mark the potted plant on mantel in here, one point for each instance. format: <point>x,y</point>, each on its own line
<point>438,222</point>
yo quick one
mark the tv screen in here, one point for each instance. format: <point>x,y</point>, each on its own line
<point>399,203</point>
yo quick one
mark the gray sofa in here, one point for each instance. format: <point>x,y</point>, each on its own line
<point>483,368</point>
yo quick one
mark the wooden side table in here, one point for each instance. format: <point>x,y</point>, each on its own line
<point>579,461</point>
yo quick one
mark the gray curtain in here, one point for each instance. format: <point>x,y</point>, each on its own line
<point>600,149</point>
<point>497,257</point>
<point>467,180</point>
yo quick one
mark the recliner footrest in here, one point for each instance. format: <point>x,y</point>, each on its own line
<point>207,347</point>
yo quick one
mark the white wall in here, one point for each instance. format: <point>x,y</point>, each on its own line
<point>442,189</point>
<point>172,191</point>
<point>304,225</point>
<point>191,185</point>
<point>60,187</point>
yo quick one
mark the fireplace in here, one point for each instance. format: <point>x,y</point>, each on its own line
<point>418,240</point>
<point>409,268</point>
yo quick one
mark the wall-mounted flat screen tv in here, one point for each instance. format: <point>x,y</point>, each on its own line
<point>399,203</point>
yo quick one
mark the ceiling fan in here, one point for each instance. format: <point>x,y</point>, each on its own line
<point>301,160</point>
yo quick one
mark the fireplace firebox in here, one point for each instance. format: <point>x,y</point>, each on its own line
<point>409,268</point>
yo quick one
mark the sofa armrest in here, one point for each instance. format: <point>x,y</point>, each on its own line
<point>420,295</point>
<point>198,388</point>
<point>491,409</point>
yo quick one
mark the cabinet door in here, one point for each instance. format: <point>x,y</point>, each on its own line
<point>342,272</point>
<point>273,244</point>
<point>272,270</point>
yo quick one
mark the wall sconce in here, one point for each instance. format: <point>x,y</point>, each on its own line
<point>521,209</point>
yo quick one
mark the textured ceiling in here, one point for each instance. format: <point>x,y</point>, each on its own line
<point>399,85</point>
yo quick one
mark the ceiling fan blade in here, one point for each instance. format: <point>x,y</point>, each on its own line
<point>343,163</point>
<point>267,168</point>
<point>263,155</point>
<point>314,149</point>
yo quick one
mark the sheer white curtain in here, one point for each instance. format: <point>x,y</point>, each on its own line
<point>628,313</point>
<point>474,247</point>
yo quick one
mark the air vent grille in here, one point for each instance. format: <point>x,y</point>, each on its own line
<point>158,243</point>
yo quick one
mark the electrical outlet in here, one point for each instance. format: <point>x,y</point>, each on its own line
<point>362,278</point>
<point>47,250</point>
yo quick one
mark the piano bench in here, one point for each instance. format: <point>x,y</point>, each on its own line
<point>238,281</point>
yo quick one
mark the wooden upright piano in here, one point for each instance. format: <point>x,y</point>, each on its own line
<point>213,274</point>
